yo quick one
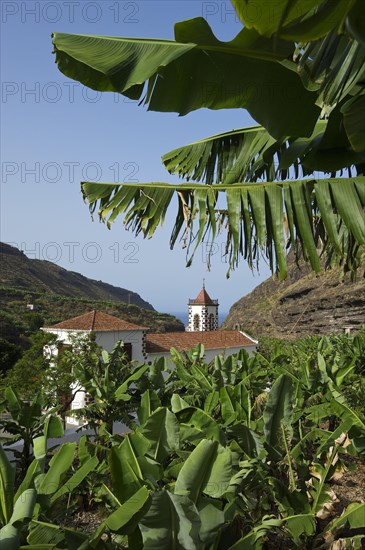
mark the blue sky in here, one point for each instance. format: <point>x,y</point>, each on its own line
<point>55,133</point>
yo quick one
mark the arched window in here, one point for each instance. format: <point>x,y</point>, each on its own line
<point>211,321</point>
<point>196,321</point>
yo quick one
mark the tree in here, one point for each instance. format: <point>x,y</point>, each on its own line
<point>299,71</point>
<point>9,354</point>
<point>50,377</point>
<point>27,376</point>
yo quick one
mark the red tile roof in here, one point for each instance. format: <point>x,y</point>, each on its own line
<point>204,298</point>
<point>183,341</point>
<point>96,321</point>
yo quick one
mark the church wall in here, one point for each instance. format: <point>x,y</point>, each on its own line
<point>204,312</point>
<point>106,339</point>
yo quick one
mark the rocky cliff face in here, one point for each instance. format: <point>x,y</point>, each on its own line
<point>303,304</point>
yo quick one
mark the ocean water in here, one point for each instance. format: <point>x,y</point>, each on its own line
<point>183,316</point>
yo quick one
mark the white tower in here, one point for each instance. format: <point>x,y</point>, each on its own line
<point>203,313</point>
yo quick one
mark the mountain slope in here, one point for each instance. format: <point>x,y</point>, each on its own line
<point>303,304</point>
<point>35,293</point>
<point>16,270</point>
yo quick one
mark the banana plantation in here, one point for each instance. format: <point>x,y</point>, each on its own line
<point>245,452</point>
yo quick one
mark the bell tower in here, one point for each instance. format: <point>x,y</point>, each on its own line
<point>203,313</point>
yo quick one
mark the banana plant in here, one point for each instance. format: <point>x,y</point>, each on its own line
<point>40,490</point>
<point>108,378</point>
<point>27,421</point>
<point>186,511</point>
<point>191,374</point>
<point>23,509</point>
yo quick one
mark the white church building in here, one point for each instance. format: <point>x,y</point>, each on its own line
<point>143,346</point>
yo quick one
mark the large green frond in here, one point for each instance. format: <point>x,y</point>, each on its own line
<point>286,67</point>
<point>251,154</point>
<point>330,49</point>
<point>259,219</point>
<point>197,70</point>
<point>225,158</point>
<point>267,19</point>
<point>333,67</point>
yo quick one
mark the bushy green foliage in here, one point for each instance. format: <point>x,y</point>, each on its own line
<point>27,376</point>
<point>339,351</point>
<point>9,354</point>
<point>239,453</point>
